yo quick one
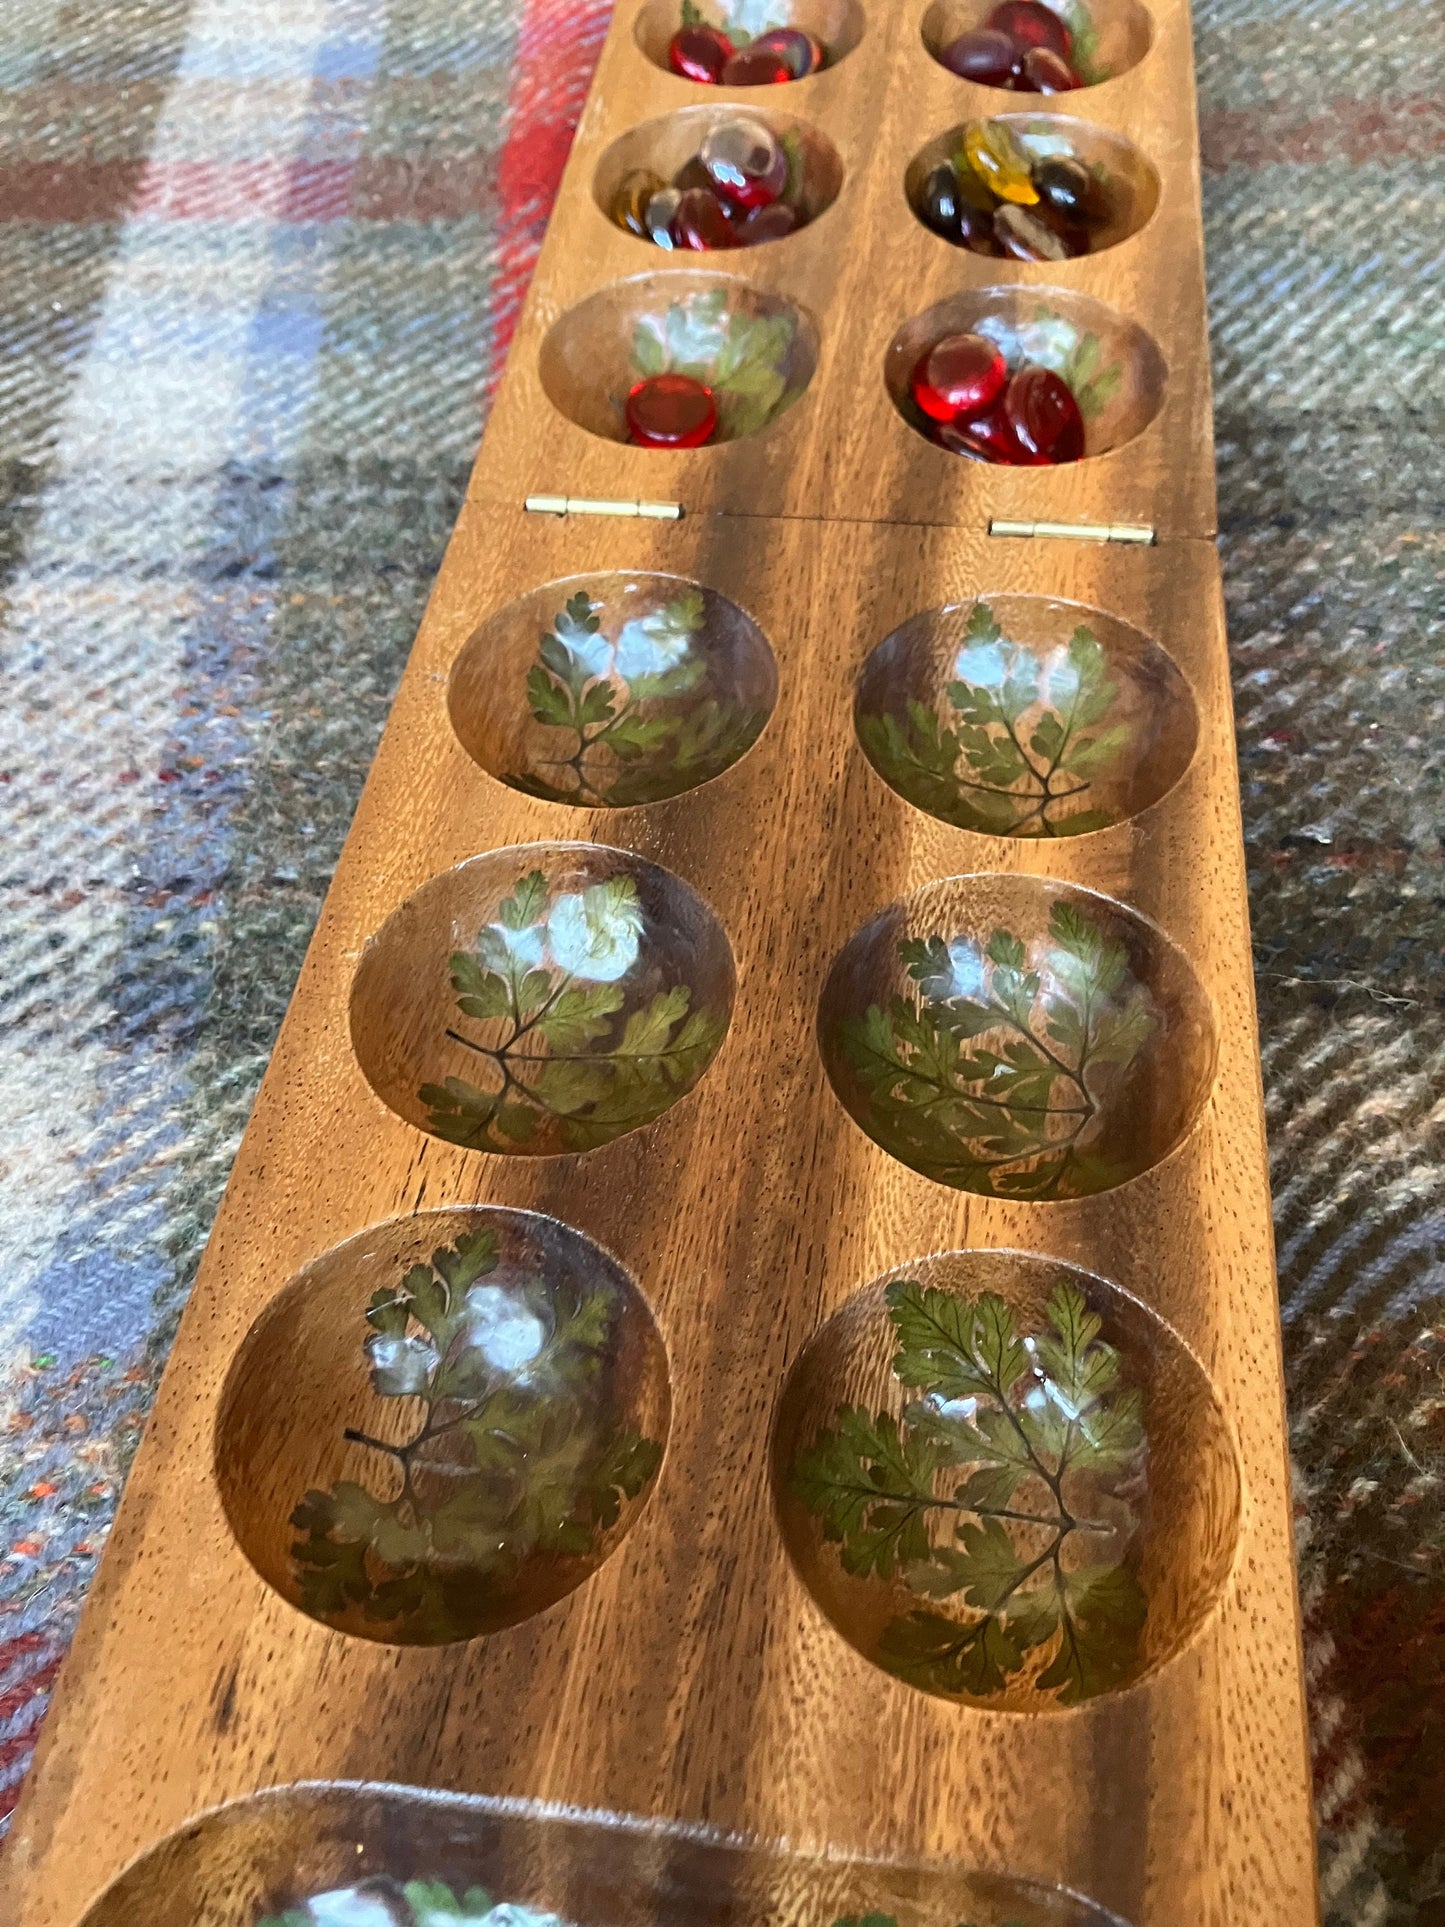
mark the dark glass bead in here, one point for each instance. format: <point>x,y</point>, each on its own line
<point>699,53</point>
<point>939,202</point>
<point>745,161</point>
<point>658,215</point>
<point>959,377</point>
<point>1044,416</point>
<point>975,229</point>
<point>756,66</point>
<point>629,203</point>
<point>701,223</point>
<point>1067,188</point>
<point>670,411</point>
<point>800,53</point>
<point>1032,24</point>
<point>1045,73</point>
<point>771,223</point>
<point>692,173</point>
<point>982,56</point>
<point>1023,235</point>
<point>987,438</point>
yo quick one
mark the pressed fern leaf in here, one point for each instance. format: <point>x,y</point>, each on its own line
<point>1017,743</point>
<point>988,1076</point>
<point>979,1496</point>
<point>505,1462</point>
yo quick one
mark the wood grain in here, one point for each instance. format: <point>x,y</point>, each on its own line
<point>693,1677</point>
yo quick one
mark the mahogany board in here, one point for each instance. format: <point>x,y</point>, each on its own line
<point>692,1678</point>
<point>862,270</point>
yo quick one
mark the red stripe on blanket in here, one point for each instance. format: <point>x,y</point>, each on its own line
<point>557,48</point>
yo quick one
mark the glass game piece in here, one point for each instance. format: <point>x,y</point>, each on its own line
<point>699,53</point>
<point>1045,72</point>
<point>745,162</point>
<point>800,53</point>
<point>1021,234</point>
<point>670,411</point>
<point>988,58</point>
<point>961,376</point>
<point>1044,416</point>
<point>629,203</point>
<point>1068,189</point>
<point>700,222</point>
<point>658,216</point>
<point>994,151</point>
<point>771,223</point>
<point>755,66</point>
<point>1031,24</point>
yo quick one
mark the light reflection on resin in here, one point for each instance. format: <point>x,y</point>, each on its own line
<point>413,1903</point>
<point>457,1417</point>
<point>545,998</point>
<point>1025,716</point>
<point>1017,1038</point>
<point>609,691</point>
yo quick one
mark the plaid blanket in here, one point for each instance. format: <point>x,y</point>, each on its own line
<point>259,263</point>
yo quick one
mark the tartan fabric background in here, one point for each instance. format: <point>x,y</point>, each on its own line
<point>259,264</point>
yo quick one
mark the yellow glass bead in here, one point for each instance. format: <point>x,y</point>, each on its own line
<point>629,203</point>
<point>994,153</point>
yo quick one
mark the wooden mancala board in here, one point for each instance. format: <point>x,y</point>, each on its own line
<point>737,1376</point>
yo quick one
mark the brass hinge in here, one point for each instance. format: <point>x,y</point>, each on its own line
<point>585,505</point>
<point>1137,533</point>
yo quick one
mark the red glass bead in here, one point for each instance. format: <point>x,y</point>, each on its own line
<point>699,53</point>
<point>800,53</point>
<point>1045,72</point>
<point>1044,416</point>
<point>958,378</point>
<point>771,223</point>
<point>1032,24</point>
<point>983,56</point>
<point>700,222</point>
<point>987,438</point>
<point>745,161</point>
<point>756,66</point>
<point>670,411</point>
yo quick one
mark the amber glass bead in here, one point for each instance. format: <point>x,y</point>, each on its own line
<point>973,189</point>
<point>983,56</point>
<point>629,203</point>
<point>745,161</point>
<point>997,157</point>
<point>1032,24</point>
<point>699,53</point>
<point>1067,188</point>
<point>670,411</point>
<point>1043,414</point>
<point>756,66</point>
<point>799,52</point>
<point>1044,72</point>
<point>701,223</point>
<point>1021,234</point>
<point>771,223</point>
<point>959,377</point>
<point>658,216</point>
